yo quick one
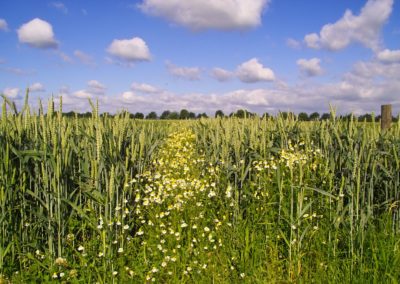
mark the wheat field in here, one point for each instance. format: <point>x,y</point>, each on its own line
<point>226,200</point>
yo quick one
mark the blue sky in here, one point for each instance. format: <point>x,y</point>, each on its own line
<point>203,55</point>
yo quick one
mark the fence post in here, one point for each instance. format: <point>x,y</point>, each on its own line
<point>386,116</point>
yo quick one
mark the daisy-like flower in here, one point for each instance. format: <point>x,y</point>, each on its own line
<point>61,261</point>
<point>228,191</point>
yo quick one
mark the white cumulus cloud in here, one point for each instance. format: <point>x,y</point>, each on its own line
<point>145,88</point>
<point>253,71</point>
<point>60,6</point>
<point>132,97</point>
<point>95,87</point>
<point>131,50</point>
<point>36,87</point>
<point>362,89</point>
<point>12,93</point>
<point>364,28</point>
<point>221,75</point>
<point>83,94</point>
<point>3,25</point>
<point>37,33</point>
<point>188,73</point>
<point>310,67</point>
<point>292,43</point>
<point>84,58</point>
<point>312,40</point>
<point>389,56</point>
<point>208,14</point>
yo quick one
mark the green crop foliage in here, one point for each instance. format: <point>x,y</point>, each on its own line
<point>225,200</point>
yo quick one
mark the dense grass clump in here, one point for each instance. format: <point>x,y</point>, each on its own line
<point>226,200</point>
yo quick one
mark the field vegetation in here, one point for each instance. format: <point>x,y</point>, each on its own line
<point>223,200</point>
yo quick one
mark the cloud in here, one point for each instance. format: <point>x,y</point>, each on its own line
<point>364,28</point>
<point>37,33</point>
<point>145,88</point>
<point>221,75</point>
<point>312,40</point>
<point>259,100</point>
<point>12,93</point>
<point>37,87</point>
<point>78,101</point>
<point>374,71</point>
<point>188,73</point>
<point>131,97</point>
<point>84,58</point>
<point>253,71</point>
<point>95,87</point>
<point>366,86</point>
<point>310,67</point>
<point>292,43</point>
<point>18,71</point>
<point>363,89</point>
<point>64,56</point>
<point>60,6</point>
<point>208,14</point>
<point>64,90</point>
<point>83,94</point>
<point>131,50</point>
<point>347,94</point>
<point>3,25</point>
<point>389,56</point>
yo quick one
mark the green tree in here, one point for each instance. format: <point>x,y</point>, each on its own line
<point>165,114</point>
<point>314,116</point>
<point>138,115</point>
<point>303,116</point>
<point>325,116</point>
<point>152,115</point>
<point>219,113</point>
<point>69,114</point>
<point>184,114</point>
<point>241,113</point>
<point>173,115</point>
<point>202,115</point>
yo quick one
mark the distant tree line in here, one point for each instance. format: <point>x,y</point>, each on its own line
<point>183,114</point>
<point>241,113</point>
